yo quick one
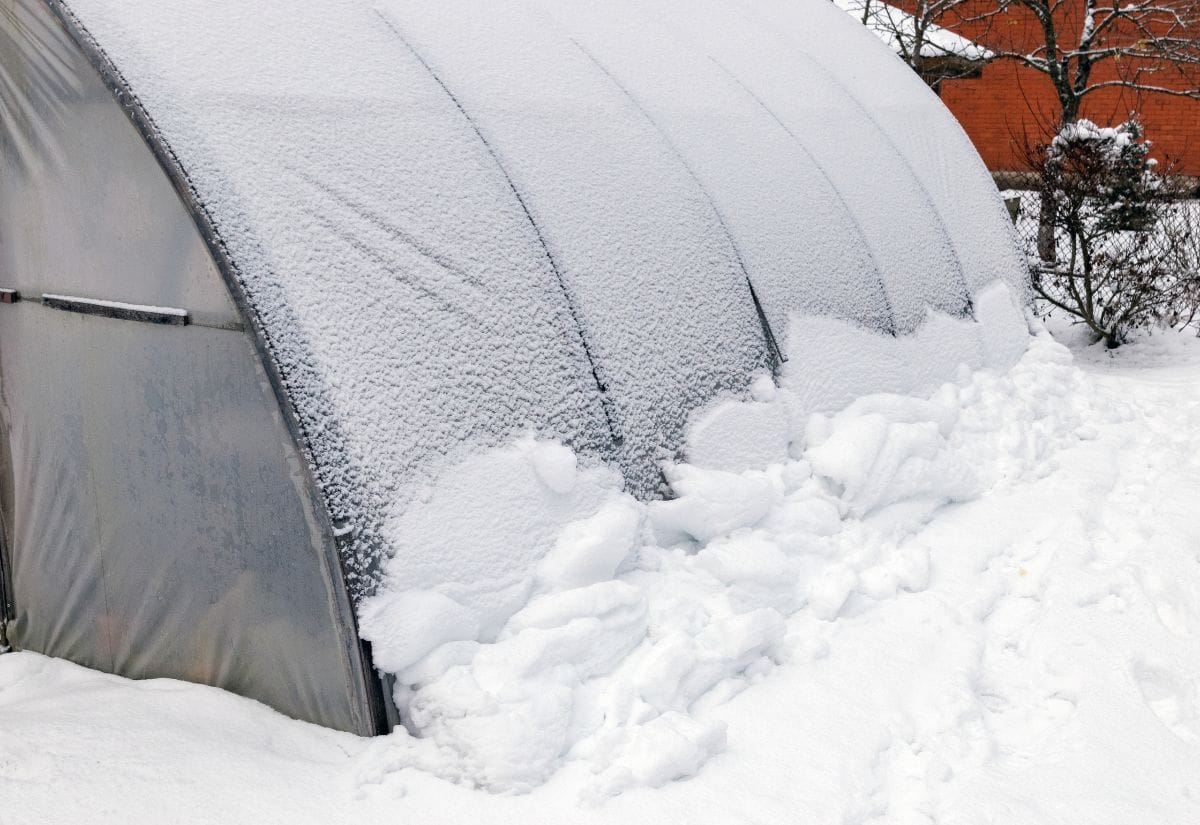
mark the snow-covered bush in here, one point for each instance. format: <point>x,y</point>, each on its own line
<point>1113,269</point>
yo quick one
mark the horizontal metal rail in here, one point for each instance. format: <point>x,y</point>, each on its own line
<point>115,309</point>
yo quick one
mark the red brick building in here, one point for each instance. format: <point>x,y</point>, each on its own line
<point>1008,105</point>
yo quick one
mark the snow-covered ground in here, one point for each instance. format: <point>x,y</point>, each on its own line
<point>978,607</point>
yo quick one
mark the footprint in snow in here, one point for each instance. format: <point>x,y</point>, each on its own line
<point>1172,699</point>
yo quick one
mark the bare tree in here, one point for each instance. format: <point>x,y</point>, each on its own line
<point>1085,46</point>
<point>1130,44</point>
<point>918,34</point>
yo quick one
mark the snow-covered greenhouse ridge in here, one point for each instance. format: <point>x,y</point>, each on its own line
<point>415,240</point>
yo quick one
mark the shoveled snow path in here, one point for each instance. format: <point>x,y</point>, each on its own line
<point>1049,672</point>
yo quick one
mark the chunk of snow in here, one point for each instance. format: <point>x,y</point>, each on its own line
<point>554,464</point>
<point>738,435</point>
<point>407,625</point>
<point>710,503</point>
<point>671,747</point>
<point>590,550</point>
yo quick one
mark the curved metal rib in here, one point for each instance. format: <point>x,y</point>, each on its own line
<point>969,309</point>
<point>605,400</point>
<point>876,271</point>
<point>772,343</point>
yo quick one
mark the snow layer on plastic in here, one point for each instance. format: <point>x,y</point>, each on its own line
<point>459,222</point>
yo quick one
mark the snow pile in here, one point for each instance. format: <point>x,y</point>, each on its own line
<point>1037,664</point>
<point>609,638</point>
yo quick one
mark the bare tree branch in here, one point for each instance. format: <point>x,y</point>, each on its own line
<point>1123,42</point>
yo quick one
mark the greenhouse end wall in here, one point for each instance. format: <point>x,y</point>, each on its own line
<point>159,519</point>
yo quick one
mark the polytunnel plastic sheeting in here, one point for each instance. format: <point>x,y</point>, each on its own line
<point>157,528</point>
<point>437,322</point>
<point>924,137</point>
<point>158,518</point>
<point>504,221</point>
<point>800,243</point>
<point>378,236</point>
<point>810,100</point>
<point>56,120</point>
<point>660,293</point>
<point>526,215</point>
<point>444,224</point>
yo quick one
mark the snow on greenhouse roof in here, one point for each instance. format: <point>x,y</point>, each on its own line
<point>457,222</point>
<point>897,28</point>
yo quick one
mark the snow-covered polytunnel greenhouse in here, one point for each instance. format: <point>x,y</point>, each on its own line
<point>268,268</point>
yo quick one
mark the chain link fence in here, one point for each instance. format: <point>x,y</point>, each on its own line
<point>1171,238</point>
